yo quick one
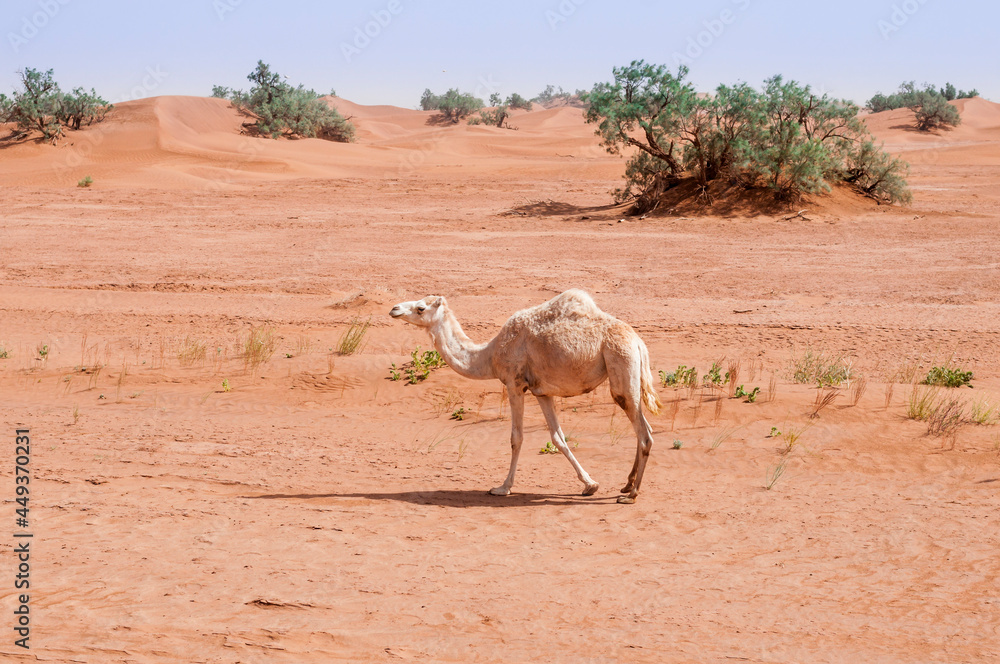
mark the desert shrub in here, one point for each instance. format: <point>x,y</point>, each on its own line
<point>279,109</point>
<point>453,105</point>
<point>498,115</point>
<point>41,106</point>
<point>877,174</point>
<point>929,104</point>
<point>932,111</point>
<point>782,138</point>
<point>909,95</point>
<point>948,377</point>
<point>516,101</point>
<point>821,369</point>
<point>551,96</point>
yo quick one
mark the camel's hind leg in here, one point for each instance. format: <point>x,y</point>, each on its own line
<point>625,382</point>
<point>549,410</point>
<point>516,398</point>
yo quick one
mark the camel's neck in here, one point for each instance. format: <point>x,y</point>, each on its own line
<point>469,359</point>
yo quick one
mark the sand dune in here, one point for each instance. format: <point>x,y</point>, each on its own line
<point>186,141</point>
<point>181,142</point>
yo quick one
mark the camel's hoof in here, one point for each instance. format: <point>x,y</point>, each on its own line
<point>626,500</point>
<point>591,489</point>
<point>500,491</point>
<point>626,489</point>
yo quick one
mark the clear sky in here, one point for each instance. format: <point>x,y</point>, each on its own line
<point>388,51</point>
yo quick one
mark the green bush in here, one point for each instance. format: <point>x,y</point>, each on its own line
<point>782,138</point>
<point>453,105</point>
<point>41,106</point>
<point>551,96</point>
<point>929,104</point>
<point>497,116</point>
<point>278,109</point>
<point>933,111</point>
<point>947,377</point>
<point>877,174</point>
<point>908,95</point>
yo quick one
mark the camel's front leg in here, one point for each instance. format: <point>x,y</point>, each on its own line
<point>548,405</point>
<point>516,438</point>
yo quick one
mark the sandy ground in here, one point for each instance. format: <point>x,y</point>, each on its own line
<point>318,511</point>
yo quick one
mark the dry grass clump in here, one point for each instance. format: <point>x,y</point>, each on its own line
<point>984,412</point>
<point>192,351</point>
<point>352,340</point>
<point>821,369</point>
<point>823,399</point>
<point>944,413</point>
<point>858,387</point>
<point>258,347</point>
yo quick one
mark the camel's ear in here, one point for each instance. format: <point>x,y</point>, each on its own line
<point>434,300</point>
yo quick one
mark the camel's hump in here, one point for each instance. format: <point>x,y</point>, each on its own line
<point>573,303</point>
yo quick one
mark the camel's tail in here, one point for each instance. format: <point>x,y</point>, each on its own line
<point>650,399</point>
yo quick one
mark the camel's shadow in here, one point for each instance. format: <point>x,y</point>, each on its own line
<point>454,498</point>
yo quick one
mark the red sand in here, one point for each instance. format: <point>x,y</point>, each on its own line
<point>320,512</point>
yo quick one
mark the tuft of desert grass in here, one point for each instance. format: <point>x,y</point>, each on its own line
<point>889,389</point>
<point>192,351</point>
<point>733,375</point>
<point>723,436</point>
<point>772,388</point>
<point>922,402</point>
<point>353,338</point>
<point>823,369</point>
<point>823,399</point>
<point>858,387</point>
<point>258,347</point>
<point>774,473</point>
<point>984,412</point>
<point>947,418</point>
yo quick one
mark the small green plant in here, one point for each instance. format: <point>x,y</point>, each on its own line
<point>683,376</point>
<point>4,353</point>
<point>774,473</point>
<point>85,182</point>
<point>419,367</point>
<point>774,433</point>
<point>43,351</point>
<point>549,449</point>
<point>713,377</point>
<point>678,444</point>
<point>225,385</point>
<point>751,396</point>
<point>351,341</point>
<point>459,413</point>
<point>948,377</point>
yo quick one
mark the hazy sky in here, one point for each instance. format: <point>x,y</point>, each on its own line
<point>388,51</point>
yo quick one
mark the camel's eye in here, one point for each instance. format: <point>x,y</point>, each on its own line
<point>421,309</point>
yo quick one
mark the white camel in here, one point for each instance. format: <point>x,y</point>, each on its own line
<point>562,348</point>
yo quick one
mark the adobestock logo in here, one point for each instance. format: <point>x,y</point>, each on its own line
<point>31,25</point>
<point>363,35</point>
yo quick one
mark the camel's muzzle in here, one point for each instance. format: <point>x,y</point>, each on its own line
<point>395,312</point>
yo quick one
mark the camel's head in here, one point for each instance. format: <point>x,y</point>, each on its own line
<point>421,313</point>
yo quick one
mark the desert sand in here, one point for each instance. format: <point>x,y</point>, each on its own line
<point>318,511</point>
